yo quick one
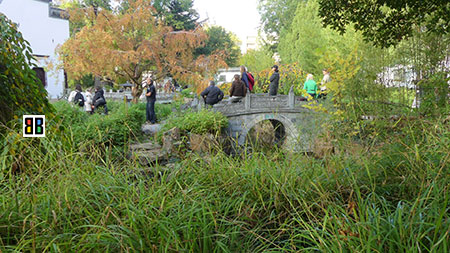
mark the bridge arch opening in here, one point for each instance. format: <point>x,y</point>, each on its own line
<point>267,133</point>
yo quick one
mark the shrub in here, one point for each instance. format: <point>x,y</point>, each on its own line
<point>290,75</point>
<point>225,87</point>
<point>122,124</point>
<point>204,121</point>
<point>21,91</point>
<point>187,93</point>
<point>162,110</point>
<point>116,128</point>
<point>435,94</point>
<point>69,114</point>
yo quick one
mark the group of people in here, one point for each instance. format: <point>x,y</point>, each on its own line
<point>88,102</point>
<point>310,86</point>
<point>241,85</point>
<point>244,82</point>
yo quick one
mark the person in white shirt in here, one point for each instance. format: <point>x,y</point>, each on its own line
<point>88,102</point>
<point>323,88</point>
<point>72,96</point>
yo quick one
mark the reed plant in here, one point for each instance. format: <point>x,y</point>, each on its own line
<point>62,198</point>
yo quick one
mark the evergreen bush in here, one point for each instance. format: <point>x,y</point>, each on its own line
<point>21,92</point>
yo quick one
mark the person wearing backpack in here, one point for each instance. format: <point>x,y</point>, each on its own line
<point>79,98</point>
<point>99,100</point>
<point>274,81</point>
<point>212,95</point>
<point>245,78</point>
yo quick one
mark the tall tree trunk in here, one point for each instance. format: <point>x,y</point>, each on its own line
<point>136,92</point>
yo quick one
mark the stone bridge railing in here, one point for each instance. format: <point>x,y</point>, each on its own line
<point>160,97</point>
<point>255,103</point>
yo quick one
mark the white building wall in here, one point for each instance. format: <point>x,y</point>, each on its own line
<point>226,75</point>
<point>44,34</point>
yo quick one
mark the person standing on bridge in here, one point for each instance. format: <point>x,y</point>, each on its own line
<point>244,76</point>
<point>151,99</point>
<point>310,86</point>
<point>274,81</point>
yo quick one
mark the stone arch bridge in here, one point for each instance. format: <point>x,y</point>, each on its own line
<point>295,125</point>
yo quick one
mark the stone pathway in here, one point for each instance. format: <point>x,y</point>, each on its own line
<point>151,129</point>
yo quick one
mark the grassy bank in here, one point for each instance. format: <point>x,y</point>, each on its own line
<point>66,198</point>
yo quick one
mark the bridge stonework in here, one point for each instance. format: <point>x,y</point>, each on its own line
<point>295,126</point>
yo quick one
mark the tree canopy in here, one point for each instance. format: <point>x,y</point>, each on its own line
<point>276,15</point>
<point>21,91</point>
<point>178,14</point>
<point>386,22</point>
<point>221,41</point>
<point>307,42</point>
<point>257,60</point>
<point>104,4</point>
<point>124,46</point>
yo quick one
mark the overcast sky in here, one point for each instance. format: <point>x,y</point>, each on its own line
<point>238,16</point>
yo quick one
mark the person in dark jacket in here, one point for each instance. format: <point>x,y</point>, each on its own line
<point>237,90</point>
<point>274,81</point>
<point>151,99</point>
<point>212,95</point>
<point>244,76</point>
<point>99,100</point>
<point>79,98</point>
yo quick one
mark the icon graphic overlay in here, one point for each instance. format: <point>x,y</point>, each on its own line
<point>33,125</point>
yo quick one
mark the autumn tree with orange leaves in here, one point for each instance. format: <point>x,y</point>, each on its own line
<point>127,45</point>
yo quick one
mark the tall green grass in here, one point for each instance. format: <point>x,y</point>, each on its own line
<point>67,199</point>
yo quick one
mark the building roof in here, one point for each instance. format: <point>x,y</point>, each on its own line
<point>55,12</point>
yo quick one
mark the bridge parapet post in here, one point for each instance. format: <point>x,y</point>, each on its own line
<point>247,101</point>
<point>197,103</point>
<point>291,98</point>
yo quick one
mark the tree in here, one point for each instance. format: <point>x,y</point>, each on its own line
<point>386,22</point>
<point>124,46</point>
<point>104,4</point>
<point>96,5</point>
<point>21,91</point>
<point>307,42</point>
<point>179,14</point>
<point>276,15</point>
<point>257,60</point>
<point>220,40</point>
<point>74,27</point>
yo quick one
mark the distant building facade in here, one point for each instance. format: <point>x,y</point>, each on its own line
<point>44,27</point>
<point>251,43</point>
<point>226,75</point>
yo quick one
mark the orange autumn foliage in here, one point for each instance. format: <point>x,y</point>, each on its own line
<point>124,46</point>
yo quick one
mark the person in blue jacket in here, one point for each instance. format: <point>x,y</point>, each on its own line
<point>244,76</point>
